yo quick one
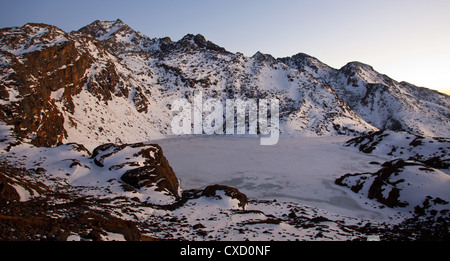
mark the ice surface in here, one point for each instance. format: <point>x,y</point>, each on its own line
<point>296,169</point>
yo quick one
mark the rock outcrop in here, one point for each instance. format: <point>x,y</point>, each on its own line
<point>142,165</point>
<point>212,191</point>
<point>402,184</point>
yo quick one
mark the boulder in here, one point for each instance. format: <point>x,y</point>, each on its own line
<point>211,191</point>
<point>146,165</point>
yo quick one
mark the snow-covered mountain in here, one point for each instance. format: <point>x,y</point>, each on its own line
<point>380,100</point>
<point>109,83</point>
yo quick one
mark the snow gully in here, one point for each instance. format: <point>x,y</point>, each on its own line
<point>208,117</point>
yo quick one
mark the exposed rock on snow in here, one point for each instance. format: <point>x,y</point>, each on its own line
<point>405,145</point>
<point>415,179</point>
<point>404,184</point>
<point>7,191</point>
<point>56,214</point>
<point>144,165</point>
<point>233,193</point>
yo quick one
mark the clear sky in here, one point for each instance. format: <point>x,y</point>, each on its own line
<point>409,40</point>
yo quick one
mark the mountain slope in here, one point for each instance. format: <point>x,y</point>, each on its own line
<point>380,100</point>
<point>70,89</point>
<point>109,83</point>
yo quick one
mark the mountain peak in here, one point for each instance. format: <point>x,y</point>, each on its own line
<point>199,41</point>
<point>358,65</point>
<point>263,57</point>
<point>107,24</point>
<point>258,54</point>
<point>302,56</point>
<point>103,30</point>
<point>30,27</point>
<point>30,37</point>
<point>306,63</point>
<point>365,73</point>
<point>119,21</point>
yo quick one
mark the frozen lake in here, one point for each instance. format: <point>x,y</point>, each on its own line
<point>295,170</point>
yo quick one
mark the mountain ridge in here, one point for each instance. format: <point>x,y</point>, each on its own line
<point>379,99</point>
<point>107,67</point>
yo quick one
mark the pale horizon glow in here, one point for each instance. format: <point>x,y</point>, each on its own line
<point>407,40</point>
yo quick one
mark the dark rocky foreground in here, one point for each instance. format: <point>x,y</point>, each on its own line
<point>44,219</point>
<point>56,215</point>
